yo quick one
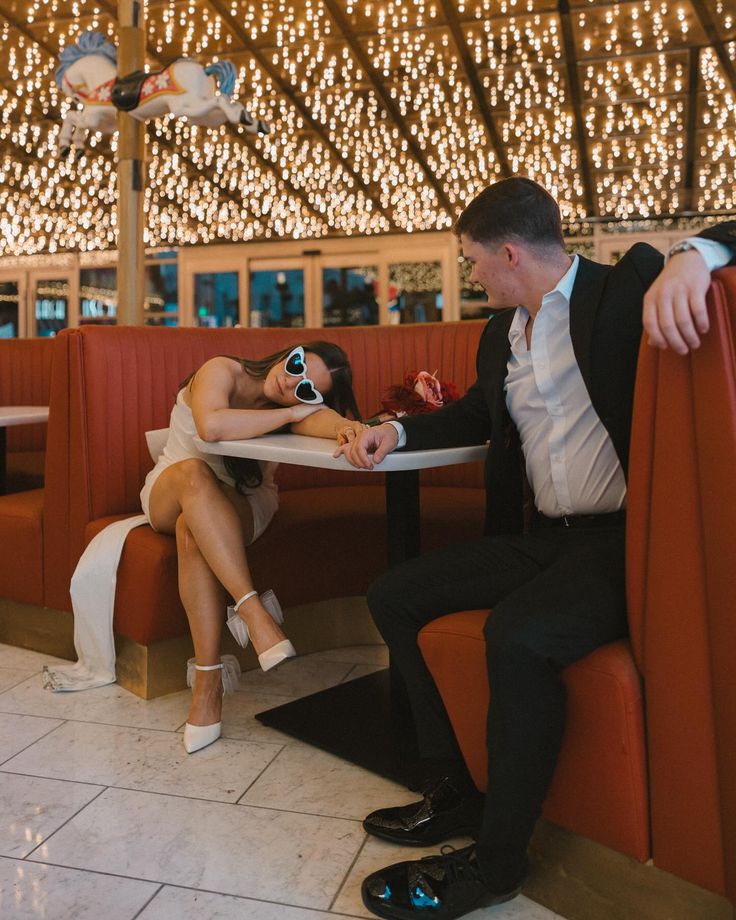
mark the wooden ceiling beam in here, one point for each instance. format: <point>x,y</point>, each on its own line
<point>576,101</point>
<point>691,129</point>
<point>264,62</point>
<point>476,85</point>
<point>709,27</point>
<point>341,21</point>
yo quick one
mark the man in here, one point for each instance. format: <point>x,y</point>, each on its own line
<point>555,380</point>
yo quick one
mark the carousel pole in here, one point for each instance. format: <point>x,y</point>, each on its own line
<point>131,171</point>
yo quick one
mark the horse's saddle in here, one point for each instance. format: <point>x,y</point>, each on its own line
<point>126,91</point>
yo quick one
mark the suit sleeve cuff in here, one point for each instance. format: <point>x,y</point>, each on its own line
<point>716,255</point>
<point>400,431</point>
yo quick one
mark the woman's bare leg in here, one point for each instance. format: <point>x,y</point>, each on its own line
<point>220,523</point>
<point>204,599</point>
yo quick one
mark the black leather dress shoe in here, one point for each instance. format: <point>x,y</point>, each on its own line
<point>442,887</point>
<point>445,812</point>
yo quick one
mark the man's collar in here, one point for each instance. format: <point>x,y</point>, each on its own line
<point>566,283</point>
<point>564,287</point>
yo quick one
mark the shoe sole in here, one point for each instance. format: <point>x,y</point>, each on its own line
<point>469,830</point>
<point>400,913</point>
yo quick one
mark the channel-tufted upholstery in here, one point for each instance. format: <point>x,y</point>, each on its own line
<point>25,380</point>
<point>328,539</point>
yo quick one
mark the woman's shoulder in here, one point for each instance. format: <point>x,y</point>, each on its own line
<point>227,363</point>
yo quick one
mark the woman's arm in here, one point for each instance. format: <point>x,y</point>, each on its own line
<point>325,423</point>
<point>210,398</point>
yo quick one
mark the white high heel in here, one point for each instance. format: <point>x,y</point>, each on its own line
<point>239,628</point>
<point>197,737</point>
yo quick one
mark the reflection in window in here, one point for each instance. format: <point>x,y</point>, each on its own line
<point>415,292</point>
<point>9,309</point>
<point>98,296</point>
<point>473,299</point>
<point>216,299</point>
<point>349,296</point>
<point>161,302</point>
<point>277,298</point>
<point>51,306</point>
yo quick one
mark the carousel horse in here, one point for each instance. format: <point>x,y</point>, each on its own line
<point>88,73</point>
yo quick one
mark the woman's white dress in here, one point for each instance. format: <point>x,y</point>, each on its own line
<point>95,577</point>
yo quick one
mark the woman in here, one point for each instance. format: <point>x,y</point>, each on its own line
<point>217,506</point>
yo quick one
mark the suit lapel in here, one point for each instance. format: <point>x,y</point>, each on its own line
<point>499,354</point>
<point>586,296</point>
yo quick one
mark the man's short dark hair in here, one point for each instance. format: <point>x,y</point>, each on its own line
<point>512,209</point>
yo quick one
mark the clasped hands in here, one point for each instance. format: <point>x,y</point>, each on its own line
<point>368,446</point>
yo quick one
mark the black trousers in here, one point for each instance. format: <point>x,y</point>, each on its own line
<point>556,595</point>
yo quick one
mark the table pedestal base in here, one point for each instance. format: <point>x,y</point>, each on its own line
<point>359,721</point>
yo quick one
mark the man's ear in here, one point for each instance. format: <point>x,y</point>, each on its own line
<point>511,254</point>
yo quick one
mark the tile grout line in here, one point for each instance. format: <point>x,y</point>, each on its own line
<point>64,824</point>
<point>62,723</point>
<point>154,895</point>
<point>174,885</point>
<point>173,795</point>
<point>348,871</point>
<point>250,785</point>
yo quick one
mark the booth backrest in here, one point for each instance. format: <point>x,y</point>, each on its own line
<point>114,383</point>
<point>25,380</point>
<point>682,594</point>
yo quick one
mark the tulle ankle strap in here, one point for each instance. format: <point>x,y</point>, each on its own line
<point>230,672</point>
<point>243,599</point>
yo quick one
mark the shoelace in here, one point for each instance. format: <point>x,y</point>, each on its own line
<point>451,865</point>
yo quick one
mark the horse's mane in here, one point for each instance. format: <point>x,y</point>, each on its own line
<point>87,43</point>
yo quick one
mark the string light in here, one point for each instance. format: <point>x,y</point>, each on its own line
<point>361,176</point>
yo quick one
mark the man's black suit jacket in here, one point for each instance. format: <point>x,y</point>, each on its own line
<point>606,330</point>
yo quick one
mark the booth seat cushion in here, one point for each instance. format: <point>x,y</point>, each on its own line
<point>21,536</point>
<point>323,543</point>
<point>600,785</point>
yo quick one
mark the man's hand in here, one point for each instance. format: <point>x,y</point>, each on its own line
<point>675,315</point>
<point>378,441</point>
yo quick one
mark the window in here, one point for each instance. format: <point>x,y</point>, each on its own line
<point>277,297</point>
<point>349,296</point>
<point>415,292</point>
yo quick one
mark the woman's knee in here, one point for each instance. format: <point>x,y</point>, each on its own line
<point>194,476</point>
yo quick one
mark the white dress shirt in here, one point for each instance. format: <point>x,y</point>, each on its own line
<point>571,462</point>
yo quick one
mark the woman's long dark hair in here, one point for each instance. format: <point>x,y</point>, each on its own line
<point>246,472</point>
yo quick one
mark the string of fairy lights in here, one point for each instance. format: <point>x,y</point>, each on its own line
<point>337,161</point>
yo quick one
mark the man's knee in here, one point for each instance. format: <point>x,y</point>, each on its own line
<point>509,636</point>
<point>379,596</point>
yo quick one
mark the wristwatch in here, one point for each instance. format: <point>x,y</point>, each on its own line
<point>682,246</point>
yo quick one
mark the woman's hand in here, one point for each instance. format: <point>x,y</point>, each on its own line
<point>370,447</point>
<point>349,432</point>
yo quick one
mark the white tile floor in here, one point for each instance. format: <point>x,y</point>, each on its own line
<point>103,814</point>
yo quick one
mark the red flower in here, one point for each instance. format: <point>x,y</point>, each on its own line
<point>420,392</point>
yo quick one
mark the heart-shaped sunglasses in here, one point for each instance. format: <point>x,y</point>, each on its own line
<point>295,365</point>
